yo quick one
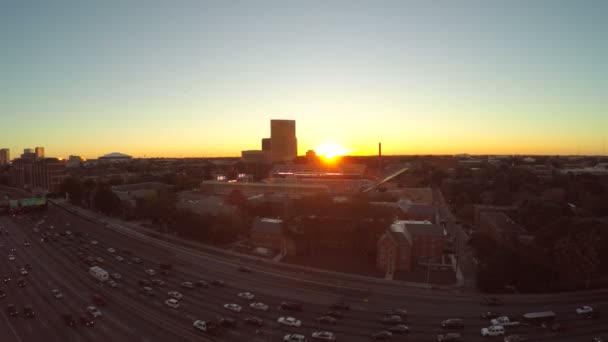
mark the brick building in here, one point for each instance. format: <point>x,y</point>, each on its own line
<point>406,243</point>
<point>37,173</point>
<point>267,233</point>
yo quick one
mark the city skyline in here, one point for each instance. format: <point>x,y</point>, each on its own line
<point>203,79</point>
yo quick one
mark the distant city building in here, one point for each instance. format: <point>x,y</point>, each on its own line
<point>39,152</point>
<point>254,156</point>
<point>406,243</point>
<point>28,150</point>
<point>266,145</point>
<point>5,156</point>
<point>284,144</point>
<point>74,161</point>
<point>311,156</point>
<point>44,174</point>
<point>115,157</point>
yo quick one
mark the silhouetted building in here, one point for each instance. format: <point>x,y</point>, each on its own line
<point>28,150</point>
<point>254,156</point>
<point>39,151</point>
<point>266,145</point>
<point>115,157</point>
<point>42,173</point>
<point>5,156</point>
<point>74,161</point>
<point>284,144</point>
<point>311,156</point>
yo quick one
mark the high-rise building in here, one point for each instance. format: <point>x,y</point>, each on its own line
<point>283,141</point>
<point>28,150</point>
<point>5,156</point>
<point>39,152</point>
<point>266,145</point>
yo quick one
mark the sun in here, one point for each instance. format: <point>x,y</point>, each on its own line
<point>330,151</point>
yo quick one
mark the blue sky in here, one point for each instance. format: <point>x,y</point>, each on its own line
<point>197,78</point>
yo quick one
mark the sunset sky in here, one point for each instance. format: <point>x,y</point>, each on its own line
<point>197,78</point>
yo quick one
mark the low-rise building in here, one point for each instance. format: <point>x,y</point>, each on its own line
<point>267,233</point>
<point>132,192</point>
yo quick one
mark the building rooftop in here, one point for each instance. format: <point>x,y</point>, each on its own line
<point>267,225</point>
<point>502,222</point>
<point>115,155</point>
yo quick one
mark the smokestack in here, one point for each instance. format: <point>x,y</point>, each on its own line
<point>379,158</point>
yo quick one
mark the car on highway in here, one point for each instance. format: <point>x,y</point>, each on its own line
<point>111,250</point>
<point>233,307</point>
<point>147,290</point>
<point>94,242</point>
<point>94,311</point>
<point>490,315</point>
<point>599,339</point>
<point>514,338</point>
<point>116,276</point>
<point>144,282</point>
<point>209,327</point>
<point>291,306</point>
<point>56,293</point>
<point>99,300</point>
<point>289,321</point>
<point>23,271</point>
<point>449,337</point>
<point>136,260</point>
<point>340,306</point>
<point>294,338</point>
<point>382,335</point>
<point>245,269</point>
<point>495,330</point>
<point>68,320</point>
<point>452,323</point>
<point>202,283</point>
<point>324,336</point>
<point>99,259</point>
<point>246,295</point>
<point>175,294</point>
<point>172,303</point>
<point>21,282</point>
<point>326,320</point>
<point>6,278</point>
<point>112,283</point>
<point>29,312</point>
<point>253,320</point>
<point>491,301</point>
<point>218,283</point>
<point>158,282</point>
<point>396,312</point>
<point>87,322</point>
<point>584,310</point>
<point>394,319</point>
<point>226,322</point>
<point>150,272</point>
<point>334,314</point>
<point>12,310</point>
<point>26,244</point>
<point>187,284</point>
<point>119,258</point>
<point>28,267</point>
<point>399,329</point>
<point>259,306</point>
<point>11,257</point>
<point>2,294</point>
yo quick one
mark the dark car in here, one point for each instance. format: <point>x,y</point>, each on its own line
<point>492,301</point>
<point>202,283</point>
<point>397,312</point>
<point>136,260</point>
<point>29,312</point>
<point>245,269</point>
<point>12,310</point>
<point>326,320</point>
<point>399,329</point>
<point>452,323</point>
<point>144,282</point>
<point>394,319</point>
<point>69,320</point>
<point>28,267</point>
<point>86,321</point>
<point>334,314</point>
<point>340,306</point>
<point>449,337</point>
<point>514,338</point>
<point>490,315</point>
<point>218,283</point>
<point>6,278</point>
<point>254,321</point>
<point>382,335</point>
<point>291,306</point>
<point>21,282</point>
<point>2,294</point>
<point>99,300</point>
<point>226,322</point>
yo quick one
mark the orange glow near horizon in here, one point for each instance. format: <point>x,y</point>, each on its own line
<point>330,151</point>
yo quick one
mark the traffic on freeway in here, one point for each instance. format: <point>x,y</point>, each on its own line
<point>64,278</point>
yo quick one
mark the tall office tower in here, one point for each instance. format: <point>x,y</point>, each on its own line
<point>283,141</point>
<point>5,156</point>
<point>39,152</point>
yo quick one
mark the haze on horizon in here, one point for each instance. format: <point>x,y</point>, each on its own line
<point>198,78</point>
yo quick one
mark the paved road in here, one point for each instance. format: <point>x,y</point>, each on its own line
<point>131,316</point>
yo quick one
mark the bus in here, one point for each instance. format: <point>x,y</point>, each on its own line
<point>539,318</point>
<point>99,273</point>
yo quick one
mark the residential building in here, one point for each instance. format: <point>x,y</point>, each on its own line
<point>5,156</point>
<point>39,151</point>
<point>283,141</point>
<point>267,233</point>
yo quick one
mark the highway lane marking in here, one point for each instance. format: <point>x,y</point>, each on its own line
<point>11,327</point>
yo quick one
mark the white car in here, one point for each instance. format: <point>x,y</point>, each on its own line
<point>94,311</point>
<point>94,242</point>
<point>112,283</point>
<point>187,284</point>
<point>23,271</point>
<point>324,335</point>
<point>233,307</point>
<point>111,250</point>
<point>259,306</point>
<point>172,303</point>
<point>289,321</point>
<point>500,320</point>
<point>11,257</point>
<point>150,272</point>
<point>116,276</point>
<point>495,330</point>
<point>119,258</point>
<point>584,310</point>
<point>57,294</point>
<point>246,295</point>
<point>175,294</point>
<point>200,325</point>
<point>294,338</point>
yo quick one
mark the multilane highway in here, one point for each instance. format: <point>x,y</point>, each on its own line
<point>132,316</point>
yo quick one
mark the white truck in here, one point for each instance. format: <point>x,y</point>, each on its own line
<point>504,321</point>
<point>99,273</point>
